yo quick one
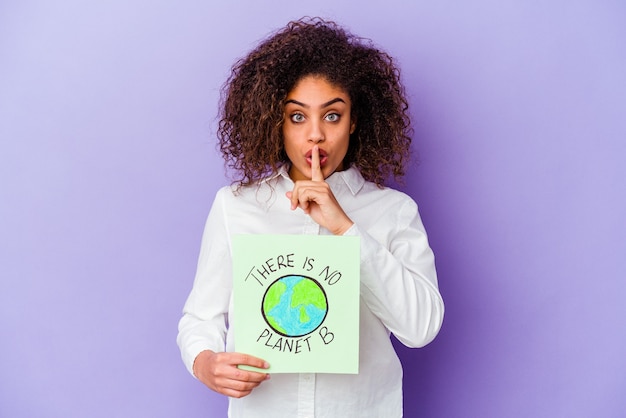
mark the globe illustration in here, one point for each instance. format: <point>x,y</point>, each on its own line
<point>294,306</point>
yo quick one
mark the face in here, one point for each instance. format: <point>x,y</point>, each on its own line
<point>316,113</point>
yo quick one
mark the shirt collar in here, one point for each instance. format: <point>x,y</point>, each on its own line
<point>350,177</point>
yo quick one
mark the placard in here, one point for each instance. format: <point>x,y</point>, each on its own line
<point>296,301</point>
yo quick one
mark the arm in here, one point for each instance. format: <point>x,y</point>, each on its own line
<point>399,282</point>
<point>202,329</point>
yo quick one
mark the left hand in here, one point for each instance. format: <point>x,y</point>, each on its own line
<point>317,200</point>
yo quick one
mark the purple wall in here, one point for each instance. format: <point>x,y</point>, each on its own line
<point>108,168</point>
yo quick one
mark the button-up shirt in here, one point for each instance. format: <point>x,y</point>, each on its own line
<point>398,294</point>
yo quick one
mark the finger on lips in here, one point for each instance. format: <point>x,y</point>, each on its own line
<point>316,169</point>
<point>302,192</point>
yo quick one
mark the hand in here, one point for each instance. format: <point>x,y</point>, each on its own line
<point>220,373</point>
<point>316,199</point>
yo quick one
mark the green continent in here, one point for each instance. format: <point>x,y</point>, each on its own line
<point>308,292</point>
<point>273,295</point>
<point>272,298</point>
<point>304,318</point>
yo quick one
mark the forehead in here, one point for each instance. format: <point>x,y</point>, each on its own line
<point>317,88</point>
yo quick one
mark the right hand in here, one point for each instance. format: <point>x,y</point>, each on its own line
<point>316,199</point>
<point>219,372</point>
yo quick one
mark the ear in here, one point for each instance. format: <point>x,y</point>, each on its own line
<point>352,125</point>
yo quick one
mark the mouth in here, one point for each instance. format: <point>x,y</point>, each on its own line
<point>323,157</point>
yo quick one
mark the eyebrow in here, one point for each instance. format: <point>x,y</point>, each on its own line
<point>328,103</point>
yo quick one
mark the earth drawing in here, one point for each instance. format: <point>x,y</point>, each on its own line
<point>294,306</point>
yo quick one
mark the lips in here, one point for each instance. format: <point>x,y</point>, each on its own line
<point>323,156</point>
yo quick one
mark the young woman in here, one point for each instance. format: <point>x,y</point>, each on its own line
<point>314,120</point>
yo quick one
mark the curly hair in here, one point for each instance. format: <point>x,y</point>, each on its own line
<point>252,102</point>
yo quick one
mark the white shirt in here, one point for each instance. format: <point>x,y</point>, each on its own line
<point>399,294</point>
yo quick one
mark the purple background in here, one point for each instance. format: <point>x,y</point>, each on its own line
<point>108,169</point>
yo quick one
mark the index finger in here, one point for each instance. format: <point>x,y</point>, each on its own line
<point>241,359</point>
<point>316,169</point>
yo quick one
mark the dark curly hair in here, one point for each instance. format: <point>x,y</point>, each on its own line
<point>252,104</point>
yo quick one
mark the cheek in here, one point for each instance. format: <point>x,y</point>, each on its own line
<point>290,147</point>
<point>344,138</point>
<point>290,135</point>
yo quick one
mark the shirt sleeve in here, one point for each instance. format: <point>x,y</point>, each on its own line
<point>205,314</point>
<point>399,280</point>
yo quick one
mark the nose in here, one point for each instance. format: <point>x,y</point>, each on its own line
<point>316,133</point>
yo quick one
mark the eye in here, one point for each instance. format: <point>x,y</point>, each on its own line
<point>332,117</point>
<point>297,118</point>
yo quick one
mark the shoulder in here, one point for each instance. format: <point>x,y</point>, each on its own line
<point>262,193</point>
<point>224,193</point>
<point>389,194</point>
<point>389,204</point>
<point>364,188</point>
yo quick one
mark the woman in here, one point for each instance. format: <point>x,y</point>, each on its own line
<point>314,120</point>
